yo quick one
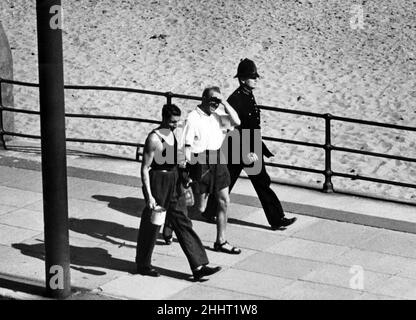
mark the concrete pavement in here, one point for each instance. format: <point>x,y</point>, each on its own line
<point>313,259</point>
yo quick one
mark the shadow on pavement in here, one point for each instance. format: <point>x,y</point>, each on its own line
<point>194,215</point>
<point>82,258</point>
<point>105,230</point>
<point>129,205</point>
<point>135,206</point>
<point>21,286</point>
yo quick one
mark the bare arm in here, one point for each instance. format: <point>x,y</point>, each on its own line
<point>189,135</point>
<point>235,120</point>
<point>148,155</point>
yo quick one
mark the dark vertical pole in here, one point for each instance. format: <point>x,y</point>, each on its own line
<point>52,117</point>
<point>3,142</point>
<point>328,187</point>
<point>169,98</point>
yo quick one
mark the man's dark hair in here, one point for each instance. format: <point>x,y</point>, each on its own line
<point>170,110</point>
<point>206,94</point>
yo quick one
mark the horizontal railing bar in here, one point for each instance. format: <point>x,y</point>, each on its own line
<point>357,177</point>
<point>105,88</point>
<point>119,89</point>
<point>21,110</point>
<point>165,94</point>
<point>183,96</point>
<point>22,135</point>
<point>285,166</point>
<point>87,116</point>
<point>373,123</point>
<point>307,144</point>
<point>374,154</point>
<point>19,83</point>
<point>120,143</point>
<point>299,112</point>
<point>106,117</point>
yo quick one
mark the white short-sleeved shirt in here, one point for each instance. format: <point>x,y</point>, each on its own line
<point>206,132</point>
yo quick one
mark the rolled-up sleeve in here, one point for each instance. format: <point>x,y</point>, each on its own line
<point>189,133</point>
<point>225,123</point>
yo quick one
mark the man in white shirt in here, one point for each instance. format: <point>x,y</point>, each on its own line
<point>204,134</point>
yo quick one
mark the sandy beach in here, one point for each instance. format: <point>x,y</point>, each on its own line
<point>308,55</point>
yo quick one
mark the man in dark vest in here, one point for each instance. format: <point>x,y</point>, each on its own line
<point>243,102</point>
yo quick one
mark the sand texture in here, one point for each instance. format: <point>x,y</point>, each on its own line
<point>308,55</point>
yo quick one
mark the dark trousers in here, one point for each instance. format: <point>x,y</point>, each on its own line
<point>162,185</point>
<point>261,183</point>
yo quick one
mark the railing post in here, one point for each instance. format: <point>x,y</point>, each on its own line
<point>169,97</point>
<point>1,116</point>
<point>328,186</point>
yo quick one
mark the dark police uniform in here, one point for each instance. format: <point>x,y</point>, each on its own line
<point>244,103</point>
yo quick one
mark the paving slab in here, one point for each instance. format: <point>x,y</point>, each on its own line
<point>250,283</point>
<point>14,263</point>
<point>87,257</point>
<point>10,235</point>
<point>91,278</point>
<point>144,288</point>
<point>6,209</point>
<point>76,208</point>
<point>303,290</point>
<point>24,218</point>
<point>306,249</point>
<point>278,265</point>
<point>95,190</point>
<point>311,259</point>
<point>218,258</point>
<point>173,267</point>
<point>378,262</point>
<point>301,223</point>
<point>18,198</point>
<point>202,292</point>
<point>244,237</point>
<point>241,212</point>
<point>101,230</point>
<point>339,233</point>
<point>391,242</point>
<point>342,276</point>
<point>31,181</point>
<point>403,288</point>
<point>226,259</point>
<point>372,296</point>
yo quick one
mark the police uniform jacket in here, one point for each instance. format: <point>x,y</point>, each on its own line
<point>243,102</point>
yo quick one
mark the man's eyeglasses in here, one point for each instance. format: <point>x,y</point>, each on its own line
<point>214,100</point>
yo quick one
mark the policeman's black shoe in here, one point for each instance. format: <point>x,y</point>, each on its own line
<point>284,222</point>
<point>168,239</point>
<point>205,271</point>
<point>148,271</point>
<point>209,218</point>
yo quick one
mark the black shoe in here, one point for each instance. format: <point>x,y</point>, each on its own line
<point>168,239</point>
<point>205,271</point>
<point>148,271</point>
<point>209,218</point>
<point>284,222</point>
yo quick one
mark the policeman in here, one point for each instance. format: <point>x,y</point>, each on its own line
<point>244,103</point>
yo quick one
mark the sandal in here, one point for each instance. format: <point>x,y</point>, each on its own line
<point>220,247</point>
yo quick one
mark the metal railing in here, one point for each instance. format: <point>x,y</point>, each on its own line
<point>328,147</point>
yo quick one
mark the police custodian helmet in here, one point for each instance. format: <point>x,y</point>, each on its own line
<point>247,69</point>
